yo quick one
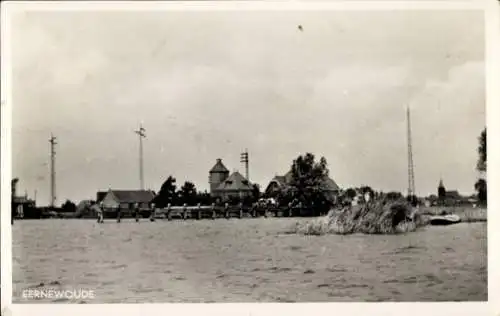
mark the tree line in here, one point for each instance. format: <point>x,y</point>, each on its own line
<point>305,188</point>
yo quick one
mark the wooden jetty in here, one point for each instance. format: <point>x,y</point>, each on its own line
<point>199,212</point>
<point>214,212</point>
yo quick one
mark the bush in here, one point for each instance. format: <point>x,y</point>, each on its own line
<point>375,217</point>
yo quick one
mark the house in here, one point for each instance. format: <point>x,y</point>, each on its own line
<point>19,204</point>
<point>235,186</point>
<point>225,186</point>
<point>279,183</point>
<point>127,199</point>
<point>100,196</point>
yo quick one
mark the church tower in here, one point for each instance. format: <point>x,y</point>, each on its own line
<point>441,190</point>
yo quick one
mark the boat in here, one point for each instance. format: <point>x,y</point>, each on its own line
<point>445,219</point>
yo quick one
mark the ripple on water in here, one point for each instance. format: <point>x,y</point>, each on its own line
<point>252,265</point>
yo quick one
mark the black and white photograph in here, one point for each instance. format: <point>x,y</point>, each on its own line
<point>248,156</point>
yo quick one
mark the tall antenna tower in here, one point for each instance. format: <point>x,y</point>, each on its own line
<point>142,134</point>
<point>411,176</point>
<point>244,159</point>
<point>53,144</point>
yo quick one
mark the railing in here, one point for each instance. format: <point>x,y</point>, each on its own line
<point>210,212</point>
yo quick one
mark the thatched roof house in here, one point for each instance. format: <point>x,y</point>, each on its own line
<point>127,199</point>
<point>236,185</point>
<point>282,182</point>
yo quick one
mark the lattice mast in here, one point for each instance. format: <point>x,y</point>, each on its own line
<point>411,176</point>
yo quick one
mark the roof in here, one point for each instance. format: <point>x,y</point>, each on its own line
<point>281,180</point>
<point>219,167</point>
<point>235,182</point>
<point>22,200</point>
<point>453,193</point>
<point>100,196</point>
<point>133,196</point>
<point>328,182</point>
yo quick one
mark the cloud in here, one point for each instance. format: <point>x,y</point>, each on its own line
<point>209,85</point>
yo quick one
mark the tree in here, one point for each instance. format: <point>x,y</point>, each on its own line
<point>351,193</point>
<point>366,189</point>
<point>68,207</point>
<point>481,184</point>
<point>188,194</point>
<point>255,192</point>
<point>167,193</point>
<point>482,192</point>
<point>481,163</point>
<point>394,195</point>
<point>307,180</point>
<point>204,198</point>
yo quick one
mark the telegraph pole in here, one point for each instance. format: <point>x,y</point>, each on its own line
<point>53,144</point>
<point>411,177</point>
<point>142,134</point>
<point>244,159</point>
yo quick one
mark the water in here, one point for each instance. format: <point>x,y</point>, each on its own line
<point>246,260</point>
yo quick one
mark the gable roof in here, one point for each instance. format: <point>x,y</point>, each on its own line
<point>219,167</point>
<point>100,196</point>
<point>453,194</point>
<point>328,183</point>
<point>281,180</point>
<point>133,196</point>
<point>22,200</point>
<point>235,182</point>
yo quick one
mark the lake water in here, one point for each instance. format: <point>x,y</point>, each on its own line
<point>246,260</point>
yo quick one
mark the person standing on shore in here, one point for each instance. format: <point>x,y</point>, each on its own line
<point>137,212</point>
<point>119,214</point>
<point>100,215</point>
<point>153,212</point>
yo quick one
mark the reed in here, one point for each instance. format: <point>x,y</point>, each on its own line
<point>374,217</point>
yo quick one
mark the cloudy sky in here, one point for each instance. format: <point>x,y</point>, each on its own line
<point>207,85</point>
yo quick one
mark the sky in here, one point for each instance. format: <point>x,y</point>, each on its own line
<point>208,85</point>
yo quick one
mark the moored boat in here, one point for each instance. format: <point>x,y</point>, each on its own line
<point>445,219</point>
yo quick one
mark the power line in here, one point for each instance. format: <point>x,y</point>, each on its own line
<point>142,134</point>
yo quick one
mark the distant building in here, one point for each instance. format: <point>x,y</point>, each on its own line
<point>441,191</point>
<point>279,183</point>
<point>100,196</point>
<point>226,186</point>
<point>126,199</point>
<point>235,186</point>
<point>19,204</point>
<point>450,197</point>
<point>217,175</point>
